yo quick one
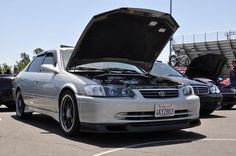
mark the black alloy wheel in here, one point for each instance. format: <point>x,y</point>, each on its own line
<point>20,107</point>
<point>68,114</point>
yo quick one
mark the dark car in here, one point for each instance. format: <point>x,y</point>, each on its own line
<point>210,96</point>
<point>208,68</point>
<point>229,97</point>
<point>6,97</point>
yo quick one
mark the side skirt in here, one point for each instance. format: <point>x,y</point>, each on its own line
<point>54,115</point>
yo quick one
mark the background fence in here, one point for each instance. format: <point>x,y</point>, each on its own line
<point>205,37</point>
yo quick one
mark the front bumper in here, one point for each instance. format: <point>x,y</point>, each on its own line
<point>102,113</point>
<point>229,99</point>
<point>210,102</point>
<point>6,97</point>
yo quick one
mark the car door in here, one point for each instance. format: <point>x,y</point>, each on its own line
<point>46,85</point>
<point>29,82</point>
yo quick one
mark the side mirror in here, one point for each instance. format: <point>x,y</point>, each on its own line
<point>49,68</point>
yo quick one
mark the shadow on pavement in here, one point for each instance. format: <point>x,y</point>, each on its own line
<point>231,109</point>
<point>116,140</point>
<point>211,116</point>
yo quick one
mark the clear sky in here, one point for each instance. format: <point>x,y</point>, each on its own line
<point>29,24</point>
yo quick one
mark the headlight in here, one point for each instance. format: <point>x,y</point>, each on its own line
<point>94,90</point>
<point>214,89</point>
<point>108,91</point>
<point>187,90</point>
<point>233,90</point>
<point>118,91</point>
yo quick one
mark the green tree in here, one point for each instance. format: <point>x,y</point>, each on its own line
<point>5,68</point>
<point>37,50</point>
<point>20,65</point>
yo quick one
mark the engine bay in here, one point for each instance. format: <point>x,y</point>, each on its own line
<point>130,80</point>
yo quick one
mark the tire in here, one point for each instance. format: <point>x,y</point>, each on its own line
<point>20,107</point>
<point>206,112</point>
<point>227,106</point>
<point>187,62</point>
<point>68,114</point>
<point>173,61</point>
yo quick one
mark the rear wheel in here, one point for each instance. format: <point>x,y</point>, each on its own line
<point>68,114</point>
<point>20,107</point>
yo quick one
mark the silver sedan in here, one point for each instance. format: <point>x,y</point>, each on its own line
<point>103,84</point>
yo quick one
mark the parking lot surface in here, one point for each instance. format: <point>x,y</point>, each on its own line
<point>41,136</point>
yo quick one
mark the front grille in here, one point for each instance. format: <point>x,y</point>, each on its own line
<point>151,116</point>
<point>159,93</point>
<point>201,90</point>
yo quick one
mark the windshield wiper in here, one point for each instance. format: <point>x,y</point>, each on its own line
<point>87,69</point>
<point>175,75</point>
<point>120,70</point>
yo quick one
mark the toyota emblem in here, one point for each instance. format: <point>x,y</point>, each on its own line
<point>161,93</point>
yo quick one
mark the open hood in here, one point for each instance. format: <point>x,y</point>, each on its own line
<point>206,66</point>
<point>126,35</point>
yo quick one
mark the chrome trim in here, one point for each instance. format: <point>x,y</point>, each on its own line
<point>150,115</point>
<point>198,90</point>
<point>159,93</point>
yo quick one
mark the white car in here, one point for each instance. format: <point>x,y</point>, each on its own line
<point>103,83</point>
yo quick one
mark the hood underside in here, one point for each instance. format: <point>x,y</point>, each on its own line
<point>126,35</point>
<point>206,66</point>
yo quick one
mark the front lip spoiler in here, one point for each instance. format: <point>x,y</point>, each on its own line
<point>139,127</point>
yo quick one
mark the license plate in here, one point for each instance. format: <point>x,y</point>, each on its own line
<point>164,110</point>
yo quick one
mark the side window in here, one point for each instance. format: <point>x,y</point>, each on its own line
<point>49,59</point>
<point>35,64</point>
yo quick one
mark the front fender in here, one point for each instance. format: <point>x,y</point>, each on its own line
<point>73,87</point>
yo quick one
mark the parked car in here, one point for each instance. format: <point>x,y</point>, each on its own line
<point>210,96</point>
<point>229,96</point>
<point>207,68</point>
<point>103,83</point>
<point>6,97</point>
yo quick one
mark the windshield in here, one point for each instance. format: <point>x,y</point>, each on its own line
<point>65,56</point>
<point>112,66</point>
<point>162,69</point>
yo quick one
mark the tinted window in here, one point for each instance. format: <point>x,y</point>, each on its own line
<point>49,59</point>
<point>163,69</point>
<point>36,63</point>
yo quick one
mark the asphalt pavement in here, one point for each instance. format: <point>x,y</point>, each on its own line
<point>41,136</point>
